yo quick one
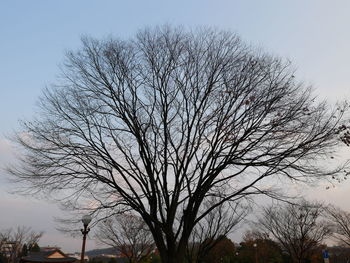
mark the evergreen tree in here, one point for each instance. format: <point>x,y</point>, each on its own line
<point>34,248</point>
<point>24,251</point>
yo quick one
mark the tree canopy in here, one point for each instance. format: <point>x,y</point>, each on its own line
<point>169,119</point>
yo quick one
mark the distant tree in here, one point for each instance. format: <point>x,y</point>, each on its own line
<point>339,254</point>
<point>222,252</point>
<point>298,228</point>
<point>215,227</point>
<point>34,247</point>
<point>96,260</point>
<point>163,122</point>
<point>3,259</point>
<point>340,221</point>
<point>154,258</point>
<point>112,260</point>
<point>24,251</point>
<point>258,245</point>
<point>316,254</point>
<point>16,238</point>
<point>128,234</point>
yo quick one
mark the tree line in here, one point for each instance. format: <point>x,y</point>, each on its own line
<point>282,233</point>
<point>289,233</point>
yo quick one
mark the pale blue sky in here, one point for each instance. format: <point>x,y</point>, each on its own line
<point>34,35</point>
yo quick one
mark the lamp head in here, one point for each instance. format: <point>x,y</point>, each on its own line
<point>86,219</point>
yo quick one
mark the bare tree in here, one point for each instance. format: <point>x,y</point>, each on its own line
<point>165,121</point>
<point>13,240</point>
<point>215,227</point>
<point>296,227</point>
<point>128,234</point>
<point>340,221</point>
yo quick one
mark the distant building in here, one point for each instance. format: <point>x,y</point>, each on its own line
<point>52,255</point>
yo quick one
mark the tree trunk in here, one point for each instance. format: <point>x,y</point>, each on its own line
<point>176,254</point>
<point>176,257</point>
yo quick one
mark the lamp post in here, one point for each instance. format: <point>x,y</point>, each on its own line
<point>86,220</point>
<point>255,245</point>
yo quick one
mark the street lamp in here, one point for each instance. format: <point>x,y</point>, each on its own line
<point>86,221</point>
<point>255,245</point>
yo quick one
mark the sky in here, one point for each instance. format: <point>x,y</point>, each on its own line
<point>34,35</point>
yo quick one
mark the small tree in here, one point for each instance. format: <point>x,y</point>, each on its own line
<point>34,247</point>
<point>24,251</point>
<point>221,252</point>
<point>112,260</point>
<point>340,221</point>
<point>257,245</point>
<point>16,239</point>
<point>128,234</point>
<point>215,227</point>
<point>296,227</point>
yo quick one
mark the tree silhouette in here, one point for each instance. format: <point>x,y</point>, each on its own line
<point>163,122</point>
<point>298,228</point>
<point>128,234</point>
